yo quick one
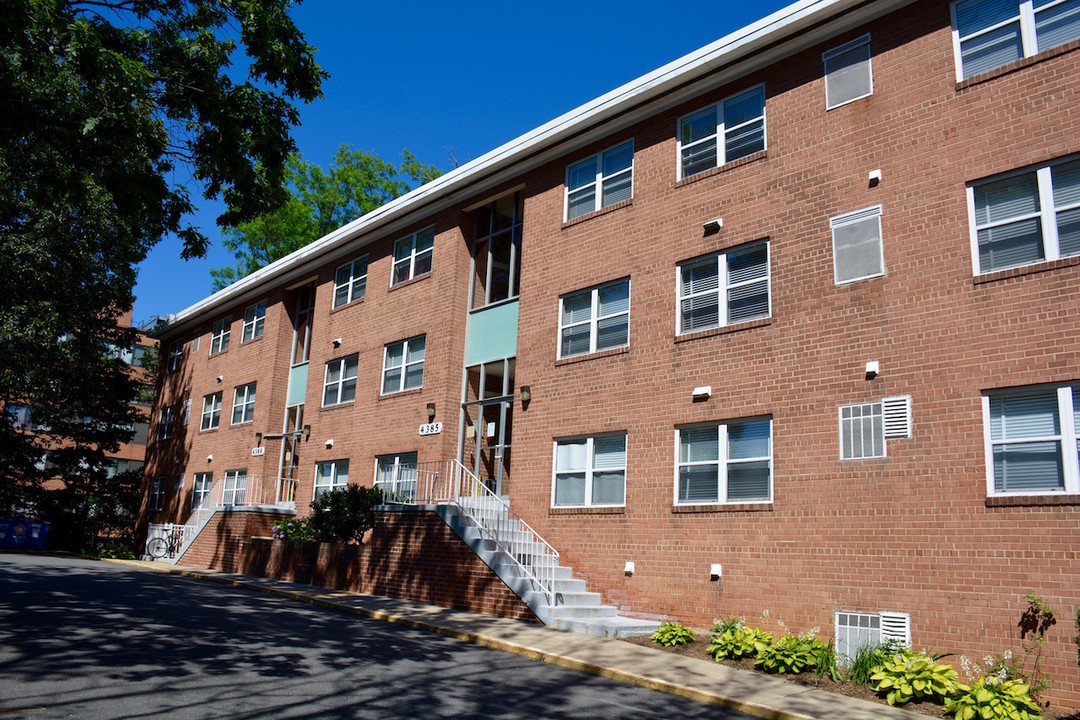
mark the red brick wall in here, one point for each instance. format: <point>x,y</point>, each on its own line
<point>413,555</point>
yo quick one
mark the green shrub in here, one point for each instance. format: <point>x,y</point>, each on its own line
<point>293,529</point>
<point>344,515</point>
<point>671,634</point>
<point>907,674</point>
<point>790,654</point>
<point>737,641</point>
<point>868,658</point>
<point>113,550</point>
<point>990,698</point>
<point>826,663</point>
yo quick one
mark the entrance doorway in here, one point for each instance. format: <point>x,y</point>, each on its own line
<point>489,421</point>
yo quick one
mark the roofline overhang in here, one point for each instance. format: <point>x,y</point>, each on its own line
<point>785,32</point>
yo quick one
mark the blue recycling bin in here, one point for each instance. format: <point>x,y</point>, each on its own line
<point>23,534</point>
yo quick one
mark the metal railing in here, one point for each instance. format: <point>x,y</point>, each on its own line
<point>448,481</point>
<point>233,491</point>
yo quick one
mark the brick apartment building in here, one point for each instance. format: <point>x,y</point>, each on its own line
<point>803,304</point>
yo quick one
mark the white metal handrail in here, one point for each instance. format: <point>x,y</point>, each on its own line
<point>448,481</point>
<point>228,491</point>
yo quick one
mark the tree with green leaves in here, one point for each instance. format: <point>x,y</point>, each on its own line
<point>355,183</point>
<point>113,111</point>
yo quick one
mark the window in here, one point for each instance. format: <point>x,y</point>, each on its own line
<point>211,412</point>
<point>165,422</point>
<point>862,431</point>
<point>234,487</point>
<point>142,430</point>
<point>18,416</point>
<point>138,355</point>
<point>195,340</point>
<point>600,181</point>
<point>856,241</point>
<point>990,33</point>
<point>403,365</point>
<point>724,289</point>
<point>350,281</point>
<point>186,415</point>
<point>497,250</point>
<point>848,75</point>
<point>254,320</point>
<point>339,383</point>
<point>412,255</point>
<point>156,501</point>
<point>1026,217</point>
<point>176,355</point>
<point>219,336</point>
<point>200,492</point>
<point>857,630</point>
<point>333,475</point>
<point>721,133</point>
<point>1032,440</point>
<point>243,404</point>
<point>395,475</point>
<point>178,484</point>
<point>595,320</point>
<point>590,471</point>
<point>725,463</point>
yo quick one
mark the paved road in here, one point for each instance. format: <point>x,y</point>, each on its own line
<point>84,639</point>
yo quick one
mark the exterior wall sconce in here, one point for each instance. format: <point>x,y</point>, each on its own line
<point>873,369</point>
<point>716,571</point>
<point>629,569</point>
<point>713,226</point>
<point>307,432</point>
<point>258,438</point>
<point>330,443</point>
<point>209,458</point>
<point>220,378</point>
<point>430,412</point>
<point>875,178</point>
<point>526,395</point>
<point>702,393</point>
<point>336,342</point>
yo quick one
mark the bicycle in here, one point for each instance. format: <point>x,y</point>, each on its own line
<point>158,547</point>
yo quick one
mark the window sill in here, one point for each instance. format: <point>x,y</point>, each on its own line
<point>245,343</point>
<point>1016,65</point>
<point>593,356</point>
<point>597,213</point>
<point>358,301</point>
<point>410,281</point>
<point>597,510</point>
<point>724,329</point>
<point>1046,265</point>
<point>497,303</point>
<point>401,393</point>
<point>723,508</point>
<point>1032,500</point>
<point>337,406</point>
<point>209,430</point>
<point>219,353</point>
<point>239,424</point>
<point>752,157</point>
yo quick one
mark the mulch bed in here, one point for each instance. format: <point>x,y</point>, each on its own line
<point>697,648</point>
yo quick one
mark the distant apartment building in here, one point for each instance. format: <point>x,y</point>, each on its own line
<point>791,323</point>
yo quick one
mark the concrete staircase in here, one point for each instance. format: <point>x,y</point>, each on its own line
<point>575,608</point>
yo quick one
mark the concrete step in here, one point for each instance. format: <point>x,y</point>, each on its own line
<point>581,612</point>
<point>609,627</point>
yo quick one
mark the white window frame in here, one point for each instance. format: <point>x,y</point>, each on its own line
<point>862,41</point>
<point>343,364</point>
<point>399,475</point>
<point>722,287</point>
<point>244,402</point>
<point>723,461</point>
<point>1047,213</point>
<point>156,497</point>
<point>1068,438</point>
<point>176,356</point>
<point>186,415</point>
<point>201,487</point>
<point>841,420</point>
<point>211,413</point>
<point>852,218</point>
<point>219,336</point>
<point>1028,38</point>
<point>337,479</point>
<point>590,467</point>
<point>413,256</point>
<point>404,366</point>
<point>721,131</point>
<point>254,322</point>
<point>594,319</point>
<point>165,422</point>
<point>195,335</point>
<point>234,488</point>
<point>598,181</point>
<point>355,285</point>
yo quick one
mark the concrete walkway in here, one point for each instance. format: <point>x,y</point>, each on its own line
<point>756,694</point>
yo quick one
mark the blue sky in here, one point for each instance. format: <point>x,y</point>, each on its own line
<point>440,76</point>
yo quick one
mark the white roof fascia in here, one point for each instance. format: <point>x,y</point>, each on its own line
<point>768,31</point>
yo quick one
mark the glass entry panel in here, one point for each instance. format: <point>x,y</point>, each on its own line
<point>489,423</point>
<point>290,461</point>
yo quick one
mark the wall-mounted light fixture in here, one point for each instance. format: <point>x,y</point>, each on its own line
<point>873,369</point>
<point>628,570</point>
<point>712,226</point>
<point>336,342</point>
<point>258,438</point>
<point>875,178</point>
<point>209,458</point>
<point>526,395</point>
<point>330,442</point>
<point>220,378</point>
<point>307,431</point>
<point>716,571</point>
<point>702,393</point>
<point>430,412</point>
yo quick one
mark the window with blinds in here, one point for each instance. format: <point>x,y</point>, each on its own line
<point>1033,445</point>
<point>724,289</point>
<point>990,33</point>
<point>848,76</point>
<point>725,463</point>
<point>1027,217</point>
<point>731,129</point>
<point>857,247</point>
<point>590,471</point>
<point>600,181</point>
<point>595,319</point>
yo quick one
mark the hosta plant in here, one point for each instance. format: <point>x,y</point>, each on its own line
<point>738,641</point>
<point>790,654</point>
<point>907,674</point>
<point>671,634</point>
<point>989,697</point>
